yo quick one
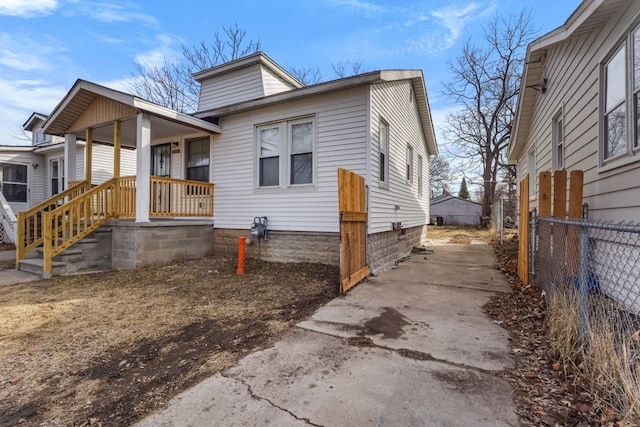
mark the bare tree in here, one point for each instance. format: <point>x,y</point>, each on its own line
<point>439,174</point>
<point>346,67</point>
<point>307,76</point>
<point>171,84</point>
<point>485,85</point>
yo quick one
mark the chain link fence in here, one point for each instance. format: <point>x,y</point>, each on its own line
<point>590,272</point>
<point>502,217</point>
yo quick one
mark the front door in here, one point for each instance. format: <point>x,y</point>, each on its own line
<point>161,167</point>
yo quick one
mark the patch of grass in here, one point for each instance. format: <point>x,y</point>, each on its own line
<point>608,356</point>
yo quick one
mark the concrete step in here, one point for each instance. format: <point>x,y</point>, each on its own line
<point>36,265</point>
<point>73,254</point>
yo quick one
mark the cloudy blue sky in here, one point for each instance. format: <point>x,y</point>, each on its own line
<point>45,45</point>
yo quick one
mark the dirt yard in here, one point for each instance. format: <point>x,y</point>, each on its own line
<point>106,349</point>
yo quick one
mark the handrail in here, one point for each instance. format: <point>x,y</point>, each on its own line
<point>7,219</point>
<point>71,222</point>
<point>29,231</point>
<point>172,197</point>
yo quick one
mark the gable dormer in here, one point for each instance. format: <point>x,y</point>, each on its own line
<point>244,79</point>
<point>34,125</point>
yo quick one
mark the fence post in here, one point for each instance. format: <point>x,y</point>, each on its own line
<point>583,273</point>
<point>501,220</point>
<point>533,230</point>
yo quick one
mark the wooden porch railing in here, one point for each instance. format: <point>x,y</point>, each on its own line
<point>30,222</point>
<point>168,197</point>
<point>69,223</point>
<point>68,217</point>
<point>177,197</point>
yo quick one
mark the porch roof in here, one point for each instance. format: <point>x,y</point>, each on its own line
<point>90,105</point>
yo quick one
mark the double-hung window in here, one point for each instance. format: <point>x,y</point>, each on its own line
<point>56,169</point>
<point>383,153</point>
<point>198,159</point>
<point>531,169</point>
<point>286,153</point>
<point>269,140</point>
<point>621,99</point>
<point>409,167</point>
<point>558,142</point>
<point>419,176</point>
<point>301,164</point>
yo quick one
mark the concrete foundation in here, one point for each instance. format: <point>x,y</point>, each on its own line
<point>137,244</point>
<point>282,246</point>
<point>386,247</point>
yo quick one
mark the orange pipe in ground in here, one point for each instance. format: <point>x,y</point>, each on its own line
<point>242,245</point>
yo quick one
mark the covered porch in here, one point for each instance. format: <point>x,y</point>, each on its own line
<point>99,115</point>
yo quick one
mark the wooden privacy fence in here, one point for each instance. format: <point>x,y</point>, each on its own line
<point>552,202</point>
<point>353,229</point>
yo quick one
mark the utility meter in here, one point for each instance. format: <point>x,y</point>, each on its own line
<point>259,227</point>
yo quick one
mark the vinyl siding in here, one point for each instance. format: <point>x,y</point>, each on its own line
<point>35,181</point>
<point>341,136</point>
<point>272,83</point>
<point>390,102</point>
<point>227,89</point>
<point>102,163</point>
<point>573,73</point>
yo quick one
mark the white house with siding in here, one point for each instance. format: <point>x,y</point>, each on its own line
<point>578,110</point>
<point>271,147</point>
<point>578,107</point>
<point>261,168</point>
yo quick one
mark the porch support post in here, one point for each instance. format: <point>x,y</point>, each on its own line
<point>143,167</point>
<point>117,141</point>
<point>89,156</point>
<point>70,146</point>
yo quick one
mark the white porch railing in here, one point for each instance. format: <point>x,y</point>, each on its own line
<point>8,221</point>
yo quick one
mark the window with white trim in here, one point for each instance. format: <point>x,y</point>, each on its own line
<point>56,171</point>
<point>269,167</point>
<point>13,182</point>
<point>301,165</point>
<point>419,176</point>
<point>286,153</point>
<point>531,169</point>
<point>383,153</point>
<point>198,159</point>
<point>621,99</point>
<point>558,142</point>
<point>409,165</point>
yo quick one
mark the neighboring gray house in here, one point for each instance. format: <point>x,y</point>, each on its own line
<point>271,147</point>
<point>454,210</point>
<point>578,107</point>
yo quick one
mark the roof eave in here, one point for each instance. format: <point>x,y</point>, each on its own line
<point>247,61</point>
<point>175,116</point>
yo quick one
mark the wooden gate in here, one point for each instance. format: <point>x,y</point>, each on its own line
<point>353,229</point>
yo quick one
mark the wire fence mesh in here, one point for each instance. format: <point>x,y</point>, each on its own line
<point>590,272</point>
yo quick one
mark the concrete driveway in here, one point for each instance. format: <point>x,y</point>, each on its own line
<point>410,347</point>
